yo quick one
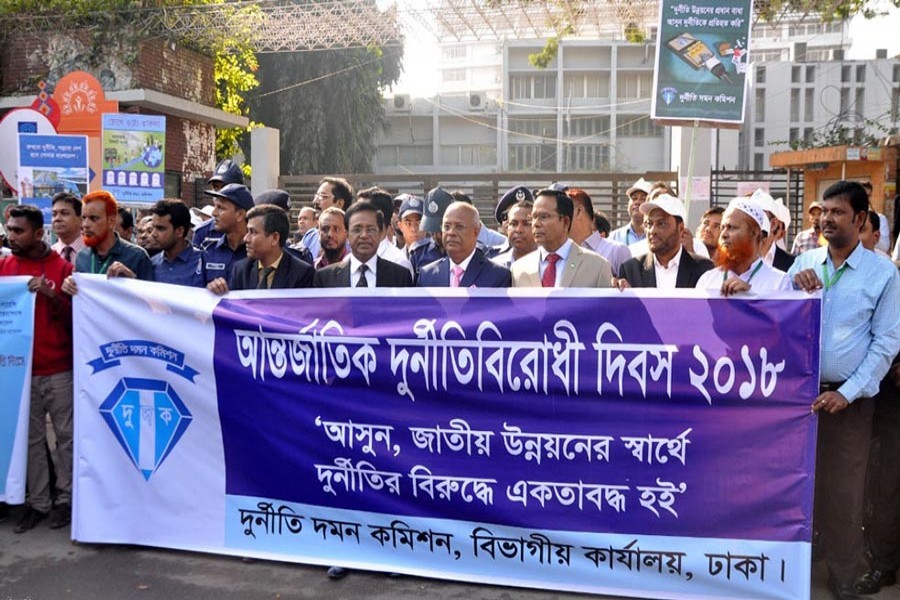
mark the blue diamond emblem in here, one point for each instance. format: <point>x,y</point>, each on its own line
<point>148,418</point>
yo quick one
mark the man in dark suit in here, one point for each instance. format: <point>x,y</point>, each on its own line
<point>363,267</point>
<point>465,265</point>
<point>668,265</point>
<point>267,265</point>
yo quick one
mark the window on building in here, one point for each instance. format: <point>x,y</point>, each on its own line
<point>536,126</point>
<point>455,52</point>
<point>468,155</point>
<point>586,85</point>
<point>403,155</point>
<point>808,135</point>
<point>810,74</point>
<point>761,74</point>
<point>760,104</point>
<point>795,105</point>
<point>637,126</point>
<point>580,127</point>
<point>173,184</point>
<point>532,87</point>
<point>860,73</point>
<point>794,134</point>
<point>795,74</point>
<point>586,157</point>
<point>896,73</point>
<point>632,86</point>
<point>859,102</point>
<point>809,104</point>
<point>759,137</point>
<point>532,157</point>
<point>759,162</point>
<point>451,75</point>
<point>895,105</point>
<point>845,74</point>
<point>845,101</point>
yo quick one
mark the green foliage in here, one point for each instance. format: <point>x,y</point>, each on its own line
<point>121,24</point>
<point>327,105</point>
<point>865,132</point>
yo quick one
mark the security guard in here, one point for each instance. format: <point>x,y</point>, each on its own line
<point>226,172</point>
<point>230,217</point>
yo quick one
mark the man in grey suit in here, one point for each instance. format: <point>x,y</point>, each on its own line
<point>465,264</point>
<point>363,267</point>
<point>558,261</point>
<point>668,265</point>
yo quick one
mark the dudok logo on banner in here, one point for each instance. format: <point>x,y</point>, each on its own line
<point>146,416</point>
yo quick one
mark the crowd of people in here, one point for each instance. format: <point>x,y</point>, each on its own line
<point>552,237</point>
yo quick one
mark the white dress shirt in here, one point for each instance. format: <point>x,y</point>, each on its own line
<point>563,253</point>
<point>760,276</point>
<point>666,276</point>
<point>371,273</point>
<point>389,251</point>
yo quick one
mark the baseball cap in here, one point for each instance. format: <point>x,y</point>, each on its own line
<point>279,198</point>
<point>436,202</point>
<point>782,213</point>
<point>641,185</point>
<point>227,172</point>
<point>410,203</point>
<point>816,204</point>
<point>666,203</point>
<point>236,193</point>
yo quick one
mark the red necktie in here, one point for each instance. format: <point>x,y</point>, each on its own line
<point>549,278</point>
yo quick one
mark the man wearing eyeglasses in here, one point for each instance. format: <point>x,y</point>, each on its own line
<point>363,268</point>
<point>333,191</point>
<point>465,265</point>
<point>667,265</point>
<point>558,261</point>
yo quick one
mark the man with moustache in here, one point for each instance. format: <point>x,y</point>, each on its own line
<point>66,211</point>
<point>385,204</point>
<point>583,234</point>
<point>739,265</point>
<point>105,253</point>
<point>860,338</point>
<point>306,219</point>
<point>125,224</point>
<point>225,173</point>
<point>518,230</point>
<point>231,204</point>
<point>558,261</point>
<point>51,382</point>
<point>709,228</point>
<point>365,225</point>
<point>808,239</point>
<point>332,237</point>
<point>771,253</point>
<point>667,265</point>
<point>465,265</point>
<point>267,266</point>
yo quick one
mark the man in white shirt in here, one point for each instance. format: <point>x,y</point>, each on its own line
<point>633,231</point>
<point>740,268</point>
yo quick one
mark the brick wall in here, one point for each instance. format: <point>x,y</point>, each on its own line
<point>180,72</point>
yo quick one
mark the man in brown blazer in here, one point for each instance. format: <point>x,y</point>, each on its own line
<point>558,261</point>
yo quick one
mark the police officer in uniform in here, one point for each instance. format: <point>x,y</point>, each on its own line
<point>230,217</point>
<point>226,172</point>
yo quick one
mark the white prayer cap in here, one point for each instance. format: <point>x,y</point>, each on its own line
<point>752,210</point>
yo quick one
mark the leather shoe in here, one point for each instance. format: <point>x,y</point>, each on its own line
<point>845,591</point>
<point>874,580</point>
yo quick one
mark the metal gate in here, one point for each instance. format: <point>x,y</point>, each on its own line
<point>787,184</point>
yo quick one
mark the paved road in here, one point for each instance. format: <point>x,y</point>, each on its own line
<point>45,565</point>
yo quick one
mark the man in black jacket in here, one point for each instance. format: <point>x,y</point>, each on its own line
<point>363,267</point>
<point>668,265</point>
<point>267,265</point>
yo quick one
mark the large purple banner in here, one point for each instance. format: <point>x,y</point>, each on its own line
<point>639,445</point>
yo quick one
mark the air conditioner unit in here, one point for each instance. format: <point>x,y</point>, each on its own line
<point>401,103</point>
<point>477,101</point>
